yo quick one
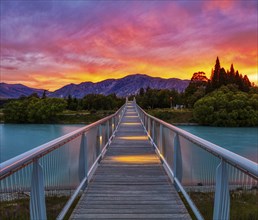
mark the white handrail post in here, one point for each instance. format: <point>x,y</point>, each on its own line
<point>149,126</point>
<point>126,100</point>
<point>161,138</point>
<point>113,125</point>
<point>108,132</point>
<point>99,145</point>
<point>222,198</point>
<point>153,131</point>
<point>83,158</point>
<point>177,159</point>
<point>37,194</point>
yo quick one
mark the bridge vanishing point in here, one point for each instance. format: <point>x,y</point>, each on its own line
<point>129,165</point>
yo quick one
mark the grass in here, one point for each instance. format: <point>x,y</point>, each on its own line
<point>81,117</point>
<point>173,115</point>
<point>19,209</point>
<point>243,204</point>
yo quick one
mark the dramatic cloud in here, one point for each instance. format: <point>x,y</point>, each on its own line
<point>48,44</point>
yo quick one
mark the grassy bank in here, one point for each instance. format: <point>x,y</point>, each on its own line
<point>81,117</point>
<point>87,117</point>
<point>168,115</point>
<point>243,204</point>
<point>175,116</point>
<point>75,117</point>
<point>19,209</point>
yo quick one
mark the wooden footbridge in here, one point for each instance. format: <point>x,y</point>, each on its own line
<point>130,181</point>
<point>129,165</point>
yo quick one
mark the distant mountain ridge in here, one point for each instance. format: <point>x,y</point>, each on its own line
<point>13,91</point>
<point>128,85</point>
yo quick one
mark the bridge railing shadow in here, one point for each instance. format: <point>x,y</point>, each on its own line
<point>59,168</point>
<point>201,170</point>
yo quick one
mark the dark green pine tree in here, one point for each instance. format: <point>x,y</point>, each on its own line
<point>246,84</point>
<point>223,77</point>
<point>231,75</point>
<point>215,75</point>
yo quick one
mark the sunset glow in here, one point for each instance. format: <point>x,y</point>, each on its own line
<point>48,44</point>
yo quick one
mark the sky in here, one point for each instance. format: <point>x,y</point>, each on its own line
<point>48,44</point>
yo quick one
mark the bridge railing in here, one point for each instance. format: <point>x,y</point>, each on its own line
<point>208,176</point>
<point>61,167</point>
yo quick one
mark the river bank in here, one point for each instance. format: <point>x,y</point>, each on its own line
<point>75,117</point>
<point>174,116</point>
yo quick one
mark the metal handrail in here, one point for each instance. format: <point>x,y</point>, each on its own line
<point>221,207</point>
<point>14,164</point>
<point>242,163</point>
<point>37,186</point>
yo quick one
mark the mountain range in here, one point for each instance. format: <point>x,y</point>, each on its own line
<point>129,85</point>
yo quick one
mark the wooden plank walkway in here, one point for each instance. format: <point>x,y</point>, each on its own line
<point>130,182</point>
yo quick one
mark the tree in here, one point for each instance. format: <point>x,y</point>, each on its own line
<point>196,88</point>
<point>224,107</point>
<point>220,77</point>
<point>215,75</point>
<point>33,110</point>
<point>223,77</point>
<point>231,74</point>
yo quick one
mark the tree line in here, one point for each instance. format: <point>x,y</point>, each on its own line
<point>35,109</point>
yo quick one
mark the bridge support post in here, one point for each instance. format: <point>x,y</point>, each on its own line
<point>153,131</point>
<point>222,198</point>
<point>83,158</point>
<point>177,160</point>
<point>108,133</point>
<point>161,138</point>
<point>99,145</point>
<point>113,125</point>
<point>149,126</point>
<point>37,194</point>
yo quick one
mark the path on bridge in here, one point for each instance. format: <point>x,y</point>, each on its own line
<point>130,182</point>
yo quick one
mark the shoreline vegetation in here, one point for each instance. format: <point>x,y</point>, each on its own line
<point>172,116</point>
<point>227,99</point>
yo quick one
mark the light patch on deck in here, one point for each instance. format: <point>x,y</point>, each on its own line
<point>142,159</point>
<point>131,123</point>
<point>135,138</point>
<point>132,116</point>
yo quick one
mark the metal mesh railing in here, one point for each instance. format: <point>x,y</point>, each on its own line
<point>217,183</point>
<point>58,170</point>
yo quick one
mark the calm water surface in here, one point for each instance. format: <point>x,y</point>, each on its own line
<point>243,141</point>
<point>19,138</point>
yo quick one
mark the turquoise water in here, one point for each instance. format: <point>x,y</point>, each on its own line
<point>242,141</point>
<point>19,138</point>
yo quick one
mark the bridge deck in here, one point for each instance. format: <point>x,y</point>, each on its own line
<point>130,182</point>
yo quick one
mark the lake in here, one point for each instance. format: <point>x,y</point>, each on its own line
<point>19,138</point>
<point>242,141</point>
